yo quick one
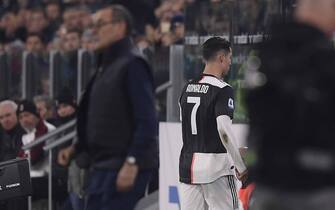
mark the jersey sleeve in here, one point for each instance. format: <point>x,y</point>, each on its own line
<point>224,104</point>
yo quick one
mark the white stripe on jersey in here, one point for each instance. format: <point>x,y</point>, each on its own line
<point>219,194</point>
<point>207,167</point>
<point>231,183</point>
<point>213,81</point>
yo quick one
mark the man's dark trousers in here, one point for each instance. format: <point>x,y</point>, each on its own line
<point>102,193</point>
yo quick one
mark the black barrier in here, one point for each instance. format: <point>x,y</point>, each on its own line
<point>86,69</point>
<point>15,179</point>
<point>59,79</point>
<point>4,76</point>
<point>10,75</point>
<point>63,72</point>
<point>55,73</point>
<point>35,76</point>
<point>159,60</point>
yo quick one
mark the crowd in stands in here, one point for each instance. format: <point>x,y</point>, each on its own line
<point>23,122</point>
<point>66,25</point>
<point>39,26</point>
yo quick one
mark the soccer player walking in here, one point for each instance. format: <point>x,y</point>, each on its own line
<point>206,172</point>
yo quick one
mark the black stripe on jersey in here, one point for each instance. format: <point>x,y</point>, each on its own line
<point>232,186</point>
<point>231,191</point>
<point>236,195</point>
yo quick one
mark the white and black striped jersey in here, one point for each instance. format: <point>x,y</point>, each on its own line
<point>203,158</point>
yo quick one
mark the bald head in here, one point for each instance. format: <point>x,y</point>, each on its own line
<point>320,14</point>
<point>8,118</point>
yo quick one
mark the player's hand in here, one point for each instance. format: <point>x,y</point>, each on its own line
<point>126,177</point>
<point>65,155</point>
<point>243,177</point>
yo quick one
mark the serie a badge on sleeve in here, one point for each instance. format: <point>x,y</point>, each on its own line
<point>15,179</point>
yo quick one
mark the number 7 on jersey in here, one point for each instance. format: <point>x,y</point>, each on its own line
<point>196,102</point>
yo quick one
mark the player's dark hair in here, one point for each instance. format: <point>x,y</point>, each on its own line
<point>214,45</point>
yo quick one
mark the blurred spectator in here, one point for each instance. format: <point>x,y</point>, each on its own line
<point>34,44</point>
<point>50,28</point>
<point>85,17</point>
<point>14,50</point>
<point>8,5</point>
<point>40,61</point>
<point>23,16</point>
<point>36,127</point>
<point>10,145</point>
<point>55,44</point>
<point>45,107</point>
<point>10,30</point>
<point>166,39</point>
<point>12,131</point>
<point>66,111</point>
<point>142,43</point>
<point>72,41</point>
<point>38,24</point>
<point>251,16</point>
<point>178,29</point>
<point>71,18</point>
<point>88,40</point>
<point>291,108</point>
<point>53,12</point>
<point>23,4</point>
<point>151,34</point>
<point>66,107</point>
<point>59,39</point>
<point>163,8</point>
<point>212,17</point>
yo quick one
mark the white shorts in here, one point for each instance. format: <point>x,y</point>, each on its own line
<point>222,194</point>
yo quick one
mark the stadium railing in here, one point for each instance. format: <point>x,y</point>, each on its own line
<point>53,139</point>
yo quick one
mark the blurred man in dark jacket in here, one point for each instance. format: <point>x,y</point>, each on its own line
<point>36,127</point>
<point>45,107</point>
<point>66,112</point>
<point>12,131</point>
<point>10,145</point>
<point>292,112</point>
<point>117,123</point>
